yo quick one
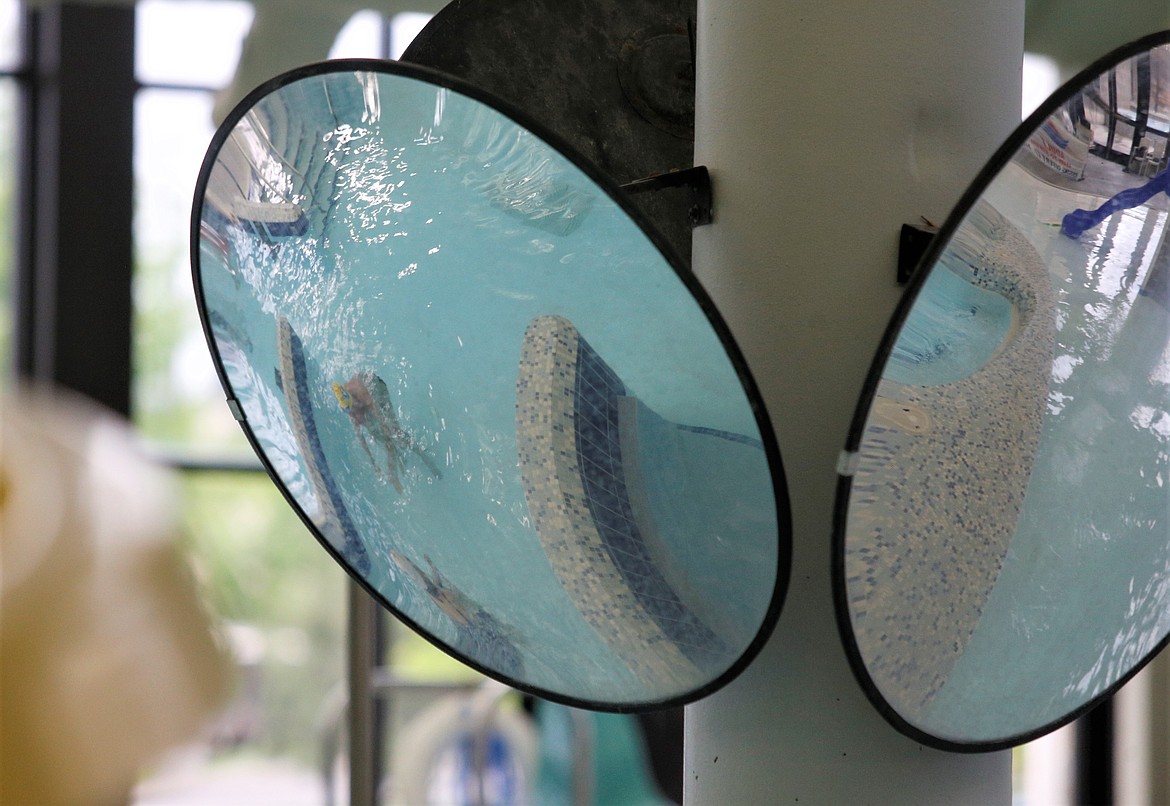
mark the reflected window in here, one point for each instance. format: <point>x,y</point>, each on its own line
<point>1128,109</point>
<point>1003,551</point>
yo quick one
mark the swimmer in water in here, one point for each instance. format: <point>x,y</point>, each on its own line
<point>366,400</point>
<point>458,607</point>
<point>480,634</point>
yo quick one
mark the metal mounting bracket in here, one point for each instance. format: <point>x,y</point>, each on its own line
<point>912,245</point>
<point>696,179</point>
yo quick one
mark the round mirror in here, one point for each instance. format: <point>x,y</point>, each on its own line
<point>1001,556</point>
<point>486,387</point>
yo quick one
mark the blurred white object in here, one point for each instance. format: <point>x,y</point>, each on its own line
<point>466,749</point>
<point>107,654</point>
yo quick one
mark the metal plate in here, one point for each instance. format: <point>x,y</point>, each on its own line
<point>614,79</point>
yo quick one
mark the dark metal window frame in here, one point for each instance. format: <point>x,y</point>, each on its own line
<point>72,279</point>
<point>1144,131</point>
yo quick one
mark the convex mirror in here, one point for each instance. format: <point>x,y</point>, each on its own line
<point>488,388</point>
<point>1001,558</point>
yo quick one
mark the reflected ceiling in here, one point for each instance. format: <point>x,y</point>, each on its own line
<point>1002,560</point>
<point>489,392</point>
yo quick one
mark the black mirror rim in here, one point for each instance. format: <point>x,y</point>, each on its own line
<point>763,422</point>
<point>974,192</point>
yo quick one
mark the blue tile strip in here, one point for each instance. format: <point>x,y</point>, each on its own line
<point>730,436</point>
<point>580,509</point>
<point>599,456</point>
<point>335,521</point>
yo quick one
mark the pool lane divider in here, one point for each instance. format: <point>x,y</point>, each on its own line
<point>333,518</point>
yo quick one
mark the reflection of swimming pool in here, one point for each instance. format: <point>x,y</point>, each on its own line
<point>1082,590</point>
<point>428,237</point>
<point>954,328</point>
<point>946,457</point>
<point>1083,594</point>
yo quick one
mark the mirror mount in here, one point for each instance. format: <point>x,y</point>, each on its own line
<point>614,80</point>
<point>696,180</point>
<point>913,242</point>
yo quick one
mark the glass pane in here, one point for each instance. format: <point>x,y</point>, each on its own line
<point>1041,78</point>
<point>364,37</point>
<point>488,390</point>
<point>1004,552</point>
<point>190,42</point>
<point>404,28</point>
<point>11,50</point>
<point>177,398</point>
<point>283,614</point>
<point>8,111</point>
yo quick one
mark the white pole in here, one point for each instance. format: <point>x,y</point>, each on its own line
<point>827,125</point>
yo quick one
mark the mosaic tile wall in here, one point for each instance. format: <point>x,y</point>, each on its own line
<point>570,460</point>
<point>940,482</point>
<point>606,482</point>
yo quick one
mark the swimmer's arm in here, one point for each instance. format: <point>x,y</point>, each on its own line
<point>425,459</point>
<point>361,435</point>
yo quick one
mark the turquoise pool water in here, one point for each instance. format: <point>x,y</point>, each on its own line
<point>1008,547</point>
<point>954,328</point>
<point>406,231</point>
<point>1084,593</point>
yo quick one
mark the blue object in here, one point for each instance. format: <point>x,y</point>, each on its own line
<point>1079,220</point>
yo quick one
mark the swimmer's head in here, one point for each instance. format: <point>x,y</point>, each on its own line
<point>342,395</point>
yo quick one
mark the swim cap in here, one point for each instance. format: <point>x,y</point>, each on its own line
<point>343,398</point>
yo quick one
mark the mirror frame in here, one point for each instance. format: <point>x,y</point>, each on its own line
<point>991,170</point>
<point>617,197</point>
